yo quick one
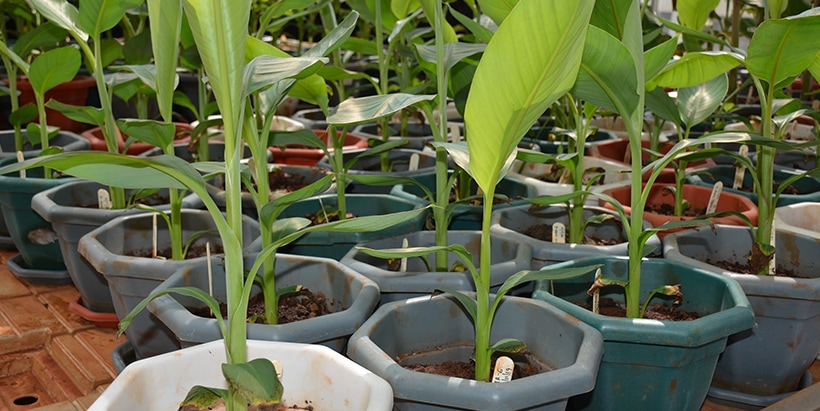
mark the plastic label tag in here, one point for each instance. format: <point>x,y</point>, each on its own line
<point>103,199</point>
<point>455,133</point>
<point>403,264</point>
<point>20,160</point>
<point>773,262</point>
<point>414,162</point>
<point>503,370</point>
<point>559,233</point>
<point>714,197</point>
<point>740,172</point>
<point>565,176</point>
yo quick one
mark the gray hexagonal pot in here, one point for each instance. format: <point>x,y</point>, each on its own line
<point>353,298</point>
<point>116,249</point>
<point>510,256</point>
<point>513,221</point>
<point>765,364</point>
<point>69,209</point>
<point>435,329</point>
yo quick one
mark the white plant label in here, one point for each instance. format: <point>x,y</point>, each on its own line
<point>278,367</point>
<point>403,264</point>
<point>414,162</point>
<point>773,262</point>
<point>154,235</point>
<point>20,160</point>
<point>503,370</point>
<point>714,197</point>
<point>455,133</point>
<point>559,233</point>
<point>103,199</point>
<point>565,176</point>
<point>740,172</point>
<point>596,295</point>
<point>628,155</point>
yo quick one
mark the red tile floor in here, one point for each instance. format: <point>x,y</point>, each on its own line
<point>53,360</point>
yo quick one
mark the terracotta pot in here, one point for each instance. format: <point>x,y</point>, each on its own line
<point>309,156</point>
<point>95,136</point>
<point>616,150</point>
<point>697,196</point>
<point>73,92</point>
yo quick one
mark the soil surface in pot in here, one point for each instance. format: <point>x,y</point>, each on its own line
<point>543,232</point>
<point>220,405</point>
<point>612,308</point>
<point>556,175</point>
<point>669,209</point>
<point>748,267</point>
<point>466,369</point>
<point>194,251</point>
<point>301,305</point>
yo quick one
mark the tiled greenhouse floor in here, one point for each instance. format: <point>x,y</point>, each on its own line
<point>53,360</point>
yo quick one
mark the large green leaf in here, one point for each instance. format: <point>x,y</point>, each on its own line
<point>155,133</point>
<point>480,32</point>
<point>610,16</point>
<point>660,104</point>
<point>265,71</point>
<point>46,34</point>
<point>656,58</point>
<point>696,68</point>
<point>166,25</point>
<point>540,62</point>
<point>695,13</point>
<point>83,114</point>
<point>814,67</point>
<point>63,14</point>
<point>697,103</point>
<point>53,68</point>
<point>779,48</point>
<point>97,16</point>
<point>453,52</point>
<point>256,381</point>
<point>364,109</point>
<point>498,10</point>
<point>608,76</point>
<point>403,8</point>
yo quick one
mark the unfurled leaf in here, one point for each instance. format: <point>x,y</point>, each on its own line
<point>256,381</point>
<point>364,109</point>
<point>786,39</point>
<point>53,68</point>
<point>698,102</point>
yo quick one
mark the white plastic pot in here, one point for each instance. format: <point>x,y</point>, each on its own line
<point>313,373</point>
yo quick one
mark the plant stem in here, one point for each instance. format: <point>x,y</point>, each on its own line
<point>765,166</point>
<point>442,190</point>
<point>338,168</point>
<point>483,323</point>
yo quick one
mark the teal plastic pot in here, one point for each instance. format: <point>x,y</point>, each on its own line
<point>351,296</point>
<point>651,364</point>
<point>466,216</point>
<point>808,187</point>
<point>336,244</point>
<point>547,142</point>
<point>120,251</point>
<point>430,330</point>
<point>769,362</point>
<point>398,159</point>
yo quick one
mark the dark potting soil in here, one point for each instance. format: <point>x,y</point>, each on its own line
<point>280,180</point>
<point>555,174</point>
<point>543,232</point>
<point>299,306</point>
<point>788,190</point>
<point>750,267</point>
<point>220,405</point>
<point>612,308</point>
<point>194,251</point>
<point>466,369</point>
<point>669,209</point>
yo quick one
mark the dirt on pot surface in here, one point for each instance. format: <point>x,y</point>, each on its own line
<point>299,306</point>
<point>612,308</point>
<point>543,232</point>
<point>466,369</point>
<point>220,405</point>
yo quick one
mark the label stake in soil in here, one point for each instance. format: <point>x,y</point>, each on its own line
<point>322,207</point>
<point>714,197</point>
<point>772,262</point>
<point>103,199</point>
<point>559,233</point>
<point>403,264</point>
<point>740,172</point>
<point>20,160</point>
<point>210,270</point>
<point>596,295</point>
<point>154,236</point>
<point>503,369</point>
<point>455,133</point>
<point>414,162</point>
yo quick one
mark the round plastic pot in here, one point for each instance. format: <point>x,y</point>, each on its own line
<point>351,295</point>
<point>808,187</point>
<point>510,256</point>
<point>311,374</point>
<point>765,364</point>
<point>651,364</point>
<point>97,140</point>
<point>309,156</point>
<point>466,216</point>
<point>336,244</point>
<point>120,250</point>
<point>70,210</point>
<point>436,329</point>
<point>74,92</point>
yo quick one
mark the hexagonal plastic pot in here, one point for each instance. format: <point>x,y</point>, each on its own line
<point>808,187</point>
<point>510,256</point>
<point>310,374</point>
<point>763,365</point>
<point>351,295</point>
<point>120,250</point>
<point>69,208</point>
<point>436,329</point>
<point>512,222</point>
<point>651,364</point>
